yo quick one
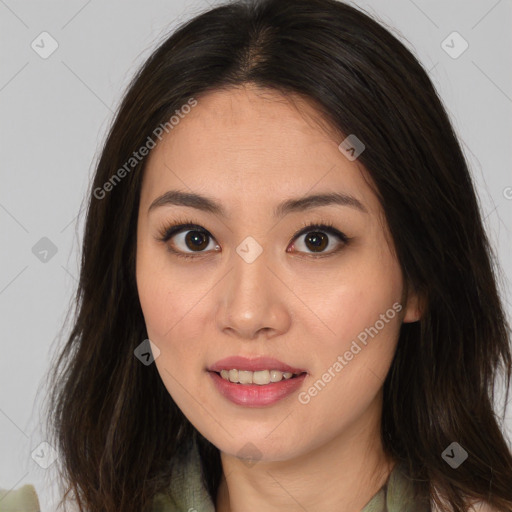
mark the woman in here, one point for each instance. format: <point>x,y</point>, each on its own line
<point>287,297</point>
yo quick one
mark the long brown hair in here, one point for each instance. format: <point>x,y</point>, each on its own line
<point>106,409</point>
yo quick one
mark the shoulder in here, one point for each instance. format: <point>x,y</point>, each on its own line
<point>23,499</point>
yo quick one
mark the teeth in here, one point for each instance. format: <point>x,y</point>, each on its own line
<point>261,377</point>
<point>244,377</point>
<point>275,375</point>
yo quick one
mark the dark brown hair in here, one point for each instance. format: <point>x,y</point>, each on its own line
<point>107,410</point>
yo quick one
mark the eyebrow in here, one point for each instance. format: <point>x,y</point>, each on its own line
<point>207,204</point>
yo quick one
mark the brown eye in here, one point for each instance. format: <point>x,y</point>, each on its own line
<point>316,241</point>
<point>185,242</point>
<point>196,240</point>
<point>318,238</point>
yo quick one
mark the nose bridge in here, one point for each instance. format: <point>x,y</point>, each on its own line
<point>249,281</point>
<point>249,300</point>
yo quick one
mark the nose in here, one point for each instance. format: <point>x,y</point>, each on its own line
<point>252,300</point>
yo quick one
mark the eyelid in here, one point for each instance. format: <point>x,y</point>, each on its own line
<point>166,232</point>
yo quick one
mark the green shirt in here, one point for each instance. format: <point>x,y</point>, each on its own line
<point>190,495</point>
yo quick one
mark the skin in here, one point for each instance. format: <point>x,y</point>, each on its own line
<point>250,149</point>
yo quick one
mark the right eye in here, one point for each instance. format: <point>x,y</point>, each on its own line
<point>187,236</point>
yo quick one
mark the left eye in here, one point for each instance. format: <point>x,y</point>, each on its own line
<point>196,240</point>
<point>318,240</point>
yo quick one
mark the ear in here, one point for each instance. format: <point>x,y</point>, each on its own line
<point>414,307</point>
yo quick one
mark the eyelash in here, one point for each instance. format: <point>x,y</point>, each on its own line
<point>169,230</point>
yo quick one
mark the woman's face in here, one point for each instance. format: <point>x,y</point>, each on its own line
<point>328,307</point>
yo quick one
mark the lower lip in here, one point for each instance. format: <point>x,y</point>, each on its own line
<point>254,395</point>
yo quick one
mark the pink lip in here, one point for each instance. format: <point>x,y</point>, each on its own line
<point>253,365</point>
<point>254,395</point>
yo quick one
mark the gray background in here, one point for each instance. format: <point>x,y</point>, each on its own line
<point>54,115</point>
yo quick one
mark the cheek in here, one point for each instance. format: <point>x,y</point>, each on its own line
<point>171,312</point>
<point>350,371</point>
<point>154,299</point>
<point>166,295</point>
<point>367,291</point>
<point>362,309</point>
<point>164,313</point>
<point>172,305</point>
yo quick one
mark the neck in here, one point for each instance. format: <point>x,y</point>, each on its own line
<point>343,473</point>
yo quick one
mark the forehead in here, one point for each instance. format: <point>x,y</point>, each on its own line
<point>253,146</point>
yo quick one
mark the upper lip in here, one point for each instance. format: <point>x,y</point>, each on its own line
<point>253,365</point>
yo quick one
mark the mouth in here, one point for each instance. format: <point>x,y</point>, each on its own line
<point>260,370</point>
<point>255,382</point>
<point>254,395</point>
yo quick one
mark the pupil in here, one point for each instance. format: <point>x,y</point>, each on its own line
<point>196,240</point>
<point>317,239</point>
